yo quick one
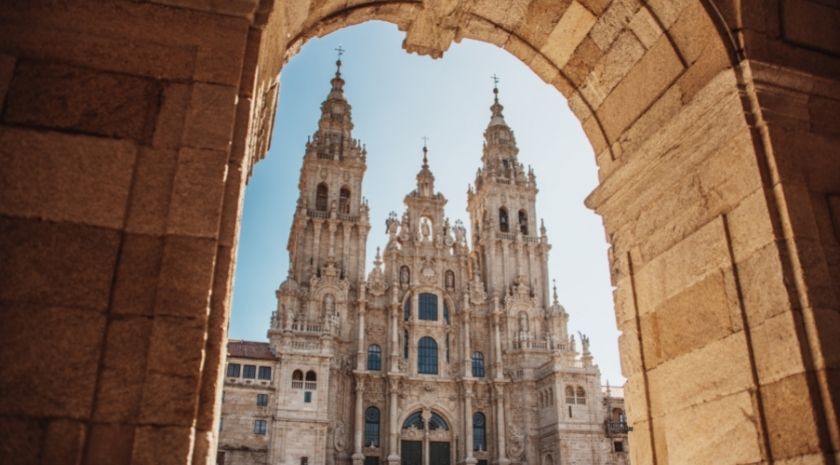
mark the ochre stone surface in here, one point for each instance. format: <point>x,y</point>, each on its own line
<point>714,124</point>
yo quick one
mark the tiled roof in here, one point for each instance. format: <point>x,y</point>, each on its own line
<point>250,349</point>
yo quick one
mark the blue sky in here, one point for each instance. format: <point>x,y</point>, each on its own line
<point>397,99</point>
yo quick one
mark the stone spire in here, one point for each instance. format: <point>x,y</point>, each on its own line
<point>425,178</point>
<point>333,139</point>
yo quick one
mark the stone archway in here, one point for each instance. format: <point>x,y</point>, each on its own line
<point>129,129</point>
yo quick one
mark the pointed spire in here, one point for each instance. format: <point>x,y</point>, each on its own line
<point>556,301</point>
<point>497,107</point>
<point>425,152</point>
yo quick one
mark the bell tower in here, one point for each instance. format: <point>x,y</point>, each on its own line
<point>508,247</point>
<point>331,220</point>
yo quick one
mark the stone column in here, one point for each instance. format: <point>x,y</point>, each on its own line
<point>490,252</point>
<point>360,336</point>
<point>501,436</point>
<point>332,228</point>
<point>316,245</point>
<point>345,248</point>
<point>363,229</point>
<point>427,415</point>
<point>359,425</point>
<point>505,244</point>
<point>394,358</point>
<point>468,424</point>
<point>393,429</point>
<point>497,340</point>
<point>467,347</point>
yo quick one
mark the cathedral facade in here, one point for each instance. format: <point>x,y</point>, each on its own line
<point>452,349</point>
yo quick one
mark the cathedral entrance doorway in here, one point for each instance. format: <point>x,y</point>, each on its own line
<point>425,439</point>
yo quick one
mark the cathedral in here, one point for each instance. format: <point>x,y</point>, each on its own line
<point>453,349</point>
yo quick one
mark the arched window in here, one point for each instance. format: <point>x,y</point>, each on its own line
<point>479,431</point>
<point>415,420</point>
<point>344,200</point>
<point>548,460</point>
<point>478,364</point>
<point>321,197</point>
<point>372,427</point>
<point>310,381</point>
<point>428,307</point>
<point>437,422</point>
<point>374,360</point>
<point>407,308</point>
<point>570,395</point>
<point>427,357</point>
<point>297,379</point>
<point>581,395</point>
<point>523,222</point>
<point>504,225</point>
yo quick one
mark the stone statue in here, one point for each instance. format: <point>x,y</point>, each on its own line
<point>584,342</point>
<point>405,276</point>
<point>338,437</point>
<point>426,229</point>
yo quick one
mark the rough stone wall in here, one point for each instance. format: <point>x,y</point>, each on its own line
<point>128,129</point>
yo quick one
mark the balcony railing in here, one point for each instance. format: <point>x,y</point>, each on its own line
<point>616,428</point>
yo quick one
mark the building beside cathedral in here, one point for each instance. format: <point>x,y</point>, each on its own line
<point>453,349</point>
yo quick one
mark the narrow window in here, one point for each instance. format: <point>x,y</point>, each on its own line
<point>264,373</point>
<point>618,446</point>
<point>249,371</point>
<point>372,427</point>
<point>374,358</point>
<point>262,400</point>
<point>233,370</point>
<point>523,222</point>
<point>321,195</point>
<point>427,357</point>
<point>307,396</point>
<point>370,460</point>
<point>445,312</point>
<point>407,308</point>
<point>478,364</point>
<point>479,431</point>
<point>405,344</point>
<point>260,427</point>
<point>447,348</point>
<point>344,200</point>
<point>503,220</point>
<point>428,307</point>
<point>304,461</point>
<point>297,379</point>
<point>311,380</point>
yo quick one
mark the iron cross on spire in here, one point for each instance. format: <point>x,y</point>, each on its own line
<point>340,51</point>
<point>425,150</point>
<point>495,86</point>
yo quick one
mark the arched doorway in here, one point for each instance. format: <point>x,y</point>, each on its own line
<point>426,439</point>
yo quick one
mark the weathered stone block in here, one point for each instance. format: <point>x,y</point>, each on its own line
<point>148,207</point>
<point>584,58</point>
<point>137,275</point>
<point>56,263</point>
<point>110,444</point>
<point>23,439</point>
<point>55,377</point>
<point>569,31</point>
<point>174,105</point>
<point>718,369</point>
<point>645,26</point>
<point>790,415</point>
<point>169,400</point>
<point>123,370</point>
<point>765,290</point>
<point>688,321</point>
<point>197,192</point>
<point>719,431</point>
<point>210,117</point>
<point>63,177</point>
<point>540,20</point>
<point>694,258</point>
<point>648,79</point>
<point>186,277</point>
<point>177,346</point>
<point>78,99</point>
<point>614,20</point>
<point>613,66</point>
<point>161,445</point>
<point>63,443</point>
